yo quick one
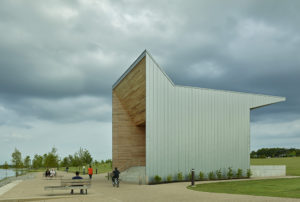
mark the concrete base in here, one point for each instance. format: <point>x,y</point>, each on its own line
<point>136,175</point>
<point>268,171</point>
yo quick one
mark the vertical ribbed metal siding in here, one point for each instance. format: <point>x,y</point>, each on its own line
<point>196,128</point>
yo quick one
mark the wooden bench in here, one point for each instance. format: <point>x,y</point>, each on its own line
<point>68,184</point>
<point>56,177</point>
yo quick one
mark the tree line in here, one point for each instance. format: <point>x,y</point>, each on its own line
<point>51,160</point>
<point>275,152</point>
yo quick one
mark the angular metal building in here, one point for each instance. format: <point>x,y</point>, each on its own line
<point>163,129</point>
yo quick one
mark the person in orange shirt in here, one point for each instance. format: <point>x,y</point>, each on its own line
<point>90,171</point>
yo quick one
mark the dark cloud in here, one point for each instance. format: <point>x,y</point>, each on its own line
<point>59,59</point>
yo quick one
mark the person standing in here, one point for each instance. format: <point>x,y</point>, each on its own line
<point>90,171</point>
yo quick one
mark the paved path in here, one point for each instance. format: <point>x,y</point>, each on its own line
<point>102,190</point>
<point>8,187</point>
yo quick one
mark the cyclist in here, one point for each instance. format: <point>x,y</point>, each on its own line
<point>115,175</point>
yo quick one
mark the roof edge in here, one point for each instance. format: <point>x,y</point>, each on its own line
<point>145,53</point>
<point>231,91</point>
<point>142,55</point>
<point>164,73</point>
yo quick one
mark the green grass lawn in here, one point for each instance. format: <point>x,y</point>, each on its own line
<point>292,164</point>
<point>102,168</point>
<point>275,187</point>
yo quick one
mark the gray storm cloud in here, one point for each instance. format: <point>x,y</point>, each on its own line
<point>59,59</point>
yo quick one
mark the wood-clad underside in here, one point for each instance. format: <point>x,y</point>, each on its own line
<point>131,92</point>
<point>128,119</point>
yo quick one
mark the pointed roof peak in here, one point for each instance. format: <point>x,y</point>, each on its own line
<point>142,55</point>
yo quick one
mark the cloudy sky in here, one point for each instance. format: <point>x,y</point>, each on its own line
<point>59,59</point>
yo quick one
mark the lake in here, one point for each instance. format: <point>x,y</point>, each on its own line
<point>6,173</point>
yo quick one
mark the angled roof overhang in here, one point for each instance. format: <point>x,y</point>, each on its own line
<point>255,100</point>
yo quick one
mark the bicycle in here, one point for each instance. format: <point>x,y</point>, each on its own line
<point>115,182</point>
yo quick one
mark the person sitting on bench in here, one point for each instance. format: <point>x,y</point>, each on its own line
<point>76,178</point>
<point>47,173</point>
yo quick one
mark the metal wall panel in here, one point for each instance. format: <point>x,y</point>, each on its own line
<point>198,128</point>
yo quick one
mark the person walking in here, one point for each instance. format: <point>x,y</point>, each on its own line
<point>90,171</point>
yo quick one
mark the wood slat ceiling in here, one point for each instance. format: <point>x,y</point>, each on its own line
<point>131,91</point>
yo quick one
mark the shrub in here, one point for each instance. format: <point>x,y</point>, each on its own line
<point>211,175</point>
<point>179,176</point>
<point>239,173</point>
<point>190,176</point>
<point>219,174</point>
<point>229,173</point>
<point>169,178</point>
<point>201,176</point>
<point>157,179</point>
<point>249,173</point>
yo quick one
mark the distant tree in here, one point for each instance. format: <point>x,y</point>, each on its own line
<point>96,162</point>
<point>51,159</point>
<point>5,165</point>
<point>291,154</point>
<point>37,161</point>
<point>17,158</point>
<point>253,154</point>
<point>72,161</point>
<point>65,162</point>
<point>85,156</point>
<point>275,152</point>
<point>108,161</point>
<point>297,152</point>
<point>27,162</point>
<point>82,157</point>
<point>76,161</point>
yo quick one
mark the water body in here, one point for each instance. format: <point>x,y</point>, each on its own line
<point>6,173</point>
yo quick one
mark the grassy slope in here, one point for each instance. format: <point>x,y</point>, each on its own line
<point>102,168</point>
<point>275,187</point>
<point>292,164</point>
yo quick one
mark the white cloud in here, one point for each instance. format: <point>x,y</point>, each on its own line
<point>59,59</point>
<point>67,138</point>
<point>279,130</point>
<point>276,134</point>
<point>12,137</point>
<point>206,69</point>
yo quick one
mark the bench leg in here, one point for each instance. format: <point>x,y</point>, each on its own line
<point>86,191</point>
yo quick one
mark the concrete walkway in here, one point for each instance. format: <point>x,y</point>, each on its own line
<point>102,190</point>
<point>8,187</point>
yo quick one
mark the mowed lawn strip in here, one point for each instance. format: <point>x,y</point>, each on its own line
<point>289,188</point>
<point>292,164</point>
<point>102,168</point>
